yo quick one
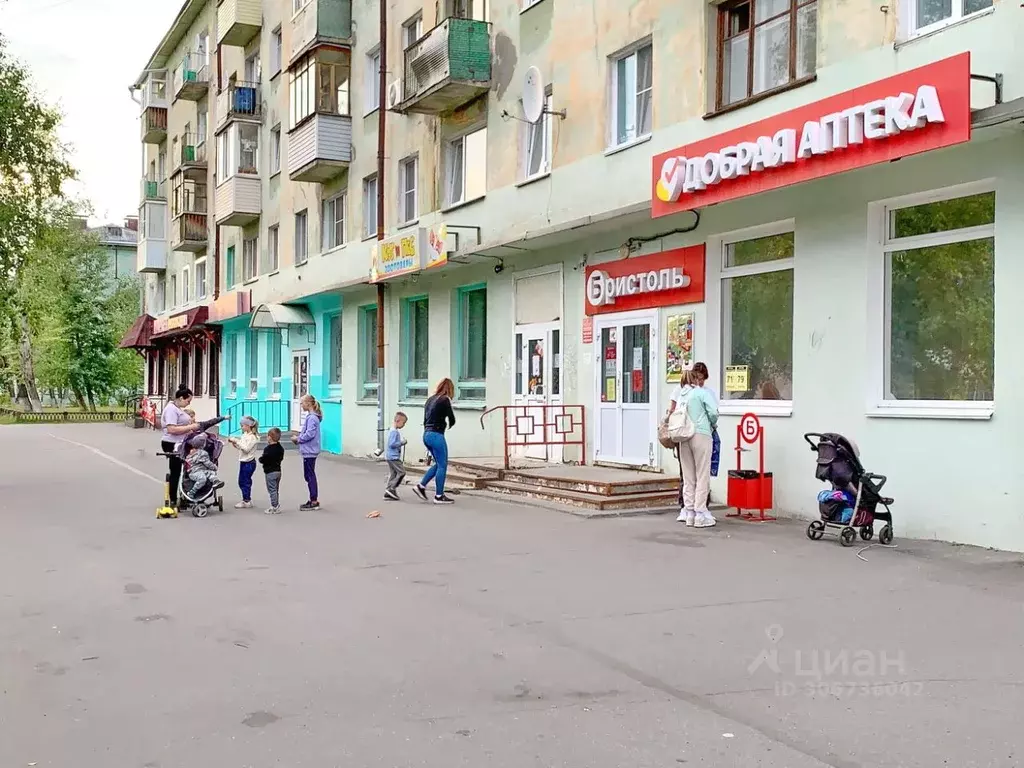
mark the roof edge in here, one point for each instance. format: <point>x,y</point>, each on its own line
<point>158,60</point>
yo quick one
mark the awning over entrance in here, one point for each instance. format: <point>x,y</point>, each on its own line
<point>186,322</point>
<point>139,334</point>
<point>283,317</point>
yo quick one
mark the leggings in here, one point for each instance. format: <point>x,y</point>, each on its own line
<point>309,474</point>
<point>173,471</point>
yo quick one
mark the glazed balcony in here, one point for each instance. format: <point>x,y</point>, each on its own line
<point>238,200</point>
<point>447,68</point>
<point>320,148</point>
<point>191,160</point>
<point>152,247</point>
<point>320,22</point>
<point>239,21</point>
<point>192,77</point>
<point>240,101</point>
<point>153,190</point>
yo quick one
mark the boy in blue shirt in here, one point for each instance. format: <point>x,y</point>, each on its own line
<point>393,454</point>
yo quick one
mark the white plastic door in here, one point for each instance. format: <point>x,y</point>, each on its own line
<point>538,382</point>
<point>300,385</point>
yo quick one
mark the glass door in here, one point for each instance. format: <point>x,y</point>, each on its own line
<point>300,386</point>
<point>538,383</point>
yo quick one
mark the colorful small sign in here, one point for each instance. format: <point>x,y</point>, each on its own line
<point>638,380</point>
<point>737,378</point>
<point>678,346</point>
<point>588,330</point>
<point>643,282</point>
<point>409,252</point>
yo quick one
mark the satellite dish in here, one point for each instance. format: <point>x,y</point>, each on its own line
<point>533,95</point>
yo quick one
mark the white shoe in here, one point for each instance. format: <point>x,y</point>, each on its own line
<point>243,505</point>
<point>686,516</point>
<point>272,511</point>
<point>705,520</point>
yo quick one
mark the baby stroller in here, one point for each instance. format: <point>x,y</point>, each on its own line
<point>199,501</point>
<point>853,502</point>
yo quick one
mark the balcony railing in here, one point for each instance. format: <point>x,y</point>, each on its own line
<point>240,101</point>
<point>447,67</point>
<point>192,77</point>
<point>154,125</point>
<point>190,230</point>
<point>153,189</point>
<point>191,153</point>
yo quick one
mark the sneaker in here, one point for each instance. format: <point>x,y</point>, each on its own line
<point>420,491</point>
<point>243,505</point>
<point>685,516</point>
<point>390,496</point>
<point>309,506</point>
<point>442,499</point>
<point>272,511</point>
<point>218,484</point>
<point>705,520</point>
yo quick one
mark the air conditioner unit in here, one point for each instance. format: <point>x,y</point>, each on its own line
<point>394,94</point>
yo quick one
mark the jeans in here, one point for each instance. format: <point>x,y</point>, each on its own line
<point>438,447</point>
<point>309,475</point>
<point>396,474</point>
<point>173,471</point>
<point>246,469</point>
<point>273,486</point>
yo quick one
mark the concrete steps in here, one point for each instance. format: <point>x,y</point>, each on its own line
<point>582,499</point>
<point>455,479</point>
<point>658,484</point>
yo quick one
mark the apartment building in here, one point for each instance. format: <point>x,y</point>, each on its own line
<point>817,199</point>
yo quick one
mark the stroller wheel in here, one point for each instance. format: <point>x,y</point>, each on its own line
<point>867,532</point>
<point>200,510</point>
<point>885,535</point>
<point>815,530</point>
<point>847,536</point>
<point>220,505</point>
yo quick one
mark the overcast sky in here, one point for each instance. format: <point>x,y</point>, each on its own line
<point>83,55</point>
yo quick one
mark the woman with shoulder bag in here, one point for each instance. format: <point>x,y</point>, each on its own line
<point>692,428</point>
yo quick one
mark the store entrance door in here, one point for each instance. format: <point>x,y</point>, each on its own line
<point>626,397</point>
<point>300,385</point>
<point>538,383</point>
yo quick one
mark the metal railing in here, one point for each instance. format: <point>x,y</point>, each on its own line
<point>155,118</point>
<point>428,61</point>
<point>153,189</point>
<point>244,100</point>
<point>194,69</point>
<point>192,150</point>
<point>541,425</point>
<point>269,413</point>
<point>53,417</point>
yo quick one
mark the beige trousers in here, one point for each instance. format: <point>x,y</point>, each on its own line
<point>695,461</point>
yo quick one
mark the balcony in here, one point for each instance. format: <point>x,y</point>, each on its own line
<point>189,232</point>
<point>320,148</point>
<point>447,68</point>
<point>191,159</point>
<point>154,125</point>
<point>154,107</point>
<point>238,200</point>
<point>153,190</point>
<point>239,21</point>
<point>152,248</point>
<point>192,77</point>
<point>321,22</point>
<point>239,101</point>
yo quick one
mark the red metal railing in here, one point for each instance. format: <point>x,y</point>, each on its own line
<point>531,426</point>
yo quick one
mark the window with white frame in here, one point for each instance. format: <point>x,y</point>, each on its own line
<point>238,150</point>
<point>200,277</point>
<point>939,300</point>
<point>415,331</point>
<point>412,30</point>
<point>274,342</point>
<point>298,5</point>
<point>471,347</point>
<point>186,285</point>
<point>250,258</point>
<point>372,89</point>
<point>408,210</point>
<point>302,91</point>
<point>334,352</point>
<point>632,89</point>
<point>466,9</point>
<point>174,291</point>
<point>275,149</point>
<point>301,237</point>
<point>370,206</point>
<point>536,143</point>
<point>252,344</point>
<point>253,69</point>
<point>926,15</point>
<point>230,277</point>
<point>368,352</point>
<point>333,223</point>
<point>466,167</point>
<point>757,312</point>
<point>529,3</point>
<point>332,87</point>
<point>160,302</point>
<point>273,249</point>
<point>202,127</point>
<point>276,52</point>
<point>231,363</point>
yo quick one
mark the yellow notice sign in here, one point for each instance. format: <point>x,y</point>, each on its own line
<point>737,378</point>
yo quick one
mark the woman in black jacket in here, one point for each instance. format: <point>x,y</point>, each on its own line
<point>437,416</point>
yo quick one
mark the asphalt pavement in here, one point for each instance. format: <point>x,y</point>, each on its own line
<point>481,634</point>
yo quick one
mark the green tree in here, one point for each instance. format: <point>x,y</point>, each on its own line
<point>122,308</point>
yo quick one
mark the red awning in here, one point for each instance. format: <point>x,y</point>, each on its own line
<point>186,322</point>
<point>139,334</point>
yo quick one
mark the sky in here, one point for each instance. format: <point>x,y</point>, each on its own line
<point>84,55</point>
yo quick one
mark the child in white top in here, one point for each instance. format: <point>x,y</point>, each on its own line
<point>247,444</point>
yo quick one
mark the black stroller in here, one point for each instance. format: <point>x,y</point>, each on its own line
<point>189,500</point>
<point>839,465</point>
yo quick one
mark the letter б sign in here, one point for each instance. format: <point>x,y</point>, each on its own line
<point>660,280</point>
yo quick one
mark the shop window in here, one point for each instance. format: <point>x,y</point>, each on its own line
<point>369,206</point>
<point>213,369</point>
<point>466,168</point>
<point>197,371</point>
<point>334,352</point>
<point>938,285</point>
<point>471,362</point>
<point>632,87</point>
<point>183,365</point>
<point>333,223</point>
<point>301,237</point>
<point>757,316</point>
<point>253,368</point>
<point>274,343</point>
<point>415,332</point>
<point>764,45</point>
<point>250,258</point>
<point>535,143</point>
<point>231,364</point>
<point>408,210</point>
<point>927,15</point>
<point>368,352</point>
<point>161,373</point>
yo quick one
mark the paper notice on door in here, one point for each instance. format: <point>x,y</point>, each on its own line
<point>609,368</point>
<point>535,365</point>
<point>638,358</point>
<point>609,390</point>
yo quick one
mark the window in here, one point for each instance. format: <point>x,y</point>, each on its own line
<point>368,352</point>
<point>466,9</point>
<point>200,269</point>
<point>202,127</point>
<point>472,343</point>
<point>275,150</point>
<point>229,268</point>
<point>223,157</point>
<point>333,224</point>
<point>332,88</point>
<point>250,257</point>
<point>298,5</point>
<point>370,206</point>
<point>334,352</point>
<point>466,168</point>
<point>174,291</point>
<point>408,210</point>
<point>412,30</point>
<point>415,328</point>
<point>302,91</point>
<point>373,80</point>
<point>529,3</point>
<point>925,15</point>
<point>203,48</point>
<point>197,370</point>
<point>253,348</point>
<point>183,364</point>
<point>274,341</point>
<point>213,370</point>
<point>186,286</point>
<point>276,52</point>
<point>632,88</point>
<point>757,313</point>
<point>273,249</point>
<point>238,150</point>
<point>253,71</point>
<point>231,364</point>
<point>536,144</point>
<point>301,238</point>
<point>939,312</point>
<point>763,45</point>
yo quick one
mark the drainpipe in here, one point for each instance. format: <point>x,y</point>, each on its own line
<point>381,124</point>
